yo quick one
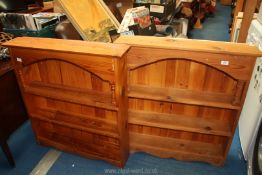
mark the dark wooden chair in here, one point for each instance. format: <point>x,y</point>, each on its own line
<point>12,110</point>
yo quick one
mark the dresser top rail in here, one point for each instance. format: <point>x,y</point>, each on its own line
<point>191,45</point>
<point>72,46</point>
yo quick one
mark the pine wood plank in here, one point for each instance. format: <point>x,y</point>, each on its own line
<point>73,46</point>
<point>121,100</point>
<point>67,148</point>
<point>178,145</point>
<point>209,113</point>
<point>76,138</point>
<point>219,100</point>
<point>179,122</point>
<point>41,117</point>
<point>190,45</point>
<point>78,119</point>
<point>98,65</point>
<point>179,155</point>
<point>69,94</point>
<point>239,67</point>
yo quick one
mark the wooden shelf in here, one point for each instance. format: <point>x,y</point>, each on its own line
<point>171,147</point>
<point>149,78</point>
<point>67,146</point>
<point>179,122</point>
<point>75,95</point>
<point>70,94</point>
<point>94,125</point>
<point>184,96</point>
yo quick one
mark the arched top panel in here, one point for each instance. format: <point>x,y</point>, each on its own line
<point>185,59</point>
<point>238,67</point>
<point>182,74</point>
<point>80,66</point>
<point>61,72</point>
<point>99,65</point>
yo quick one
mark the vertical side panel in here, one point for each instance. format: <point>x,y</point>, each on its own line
<point>122,103</point>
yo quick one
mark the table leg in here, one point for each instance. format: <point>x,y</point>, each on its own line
<point>8,153</point>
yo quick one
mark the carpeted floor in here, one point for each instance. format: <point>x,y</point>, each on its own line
<point>25,150</point>
<point>27,153</point>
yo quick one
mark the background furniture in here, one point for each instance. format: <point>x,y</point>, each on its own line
<point>33,9</point>
<point>12,110</point>
<point>249,8</point>
<point>237,25</point>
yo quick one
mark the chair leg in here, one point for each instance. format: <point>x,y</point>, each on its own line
<point>8,153</point>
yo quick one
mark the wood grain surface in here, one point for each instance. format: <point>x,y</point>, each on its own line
<point>158,96</point>
<point>95,48</point>
<point>191,45</point>
<point>185,96</point>
<point>74,95</point>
